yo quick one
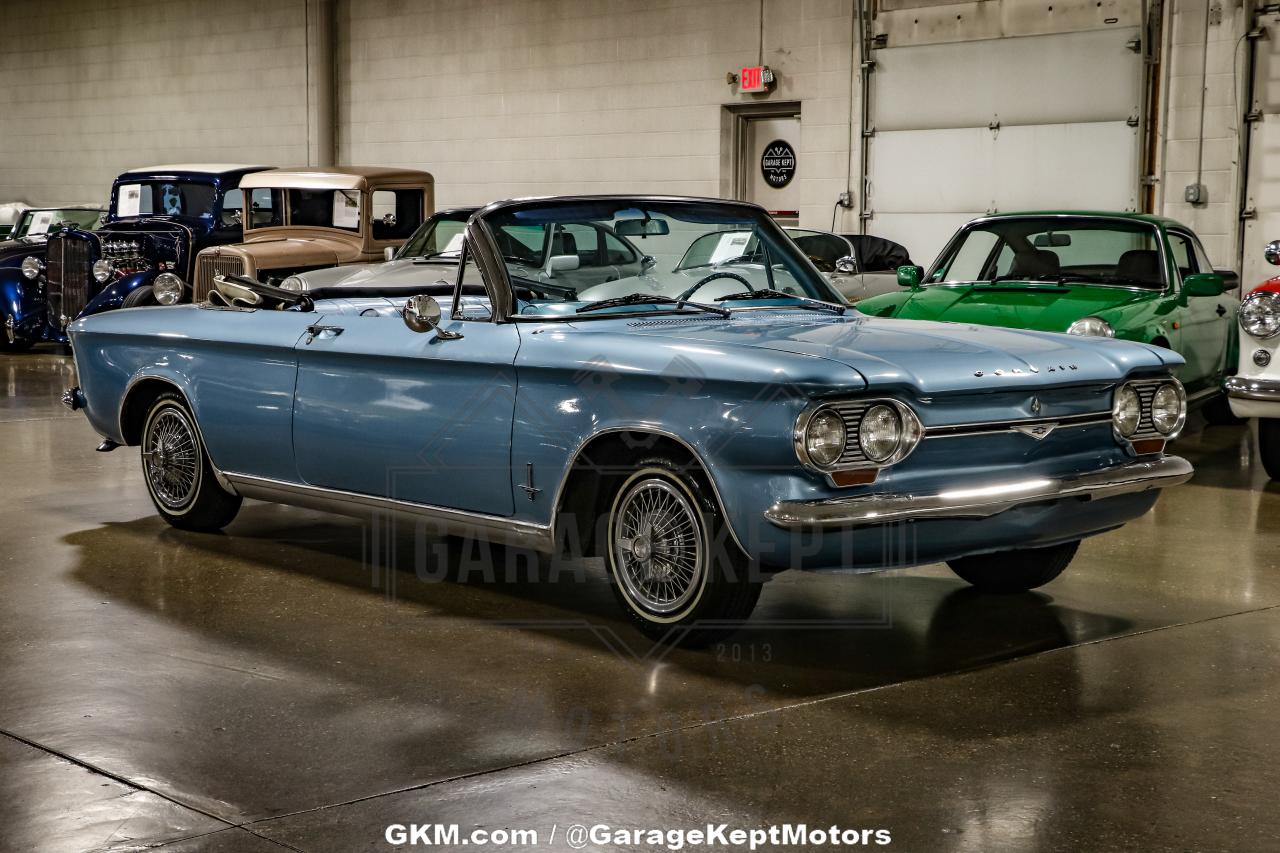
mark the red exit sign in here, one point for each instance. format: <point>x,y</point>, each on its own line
<point>754,79</point>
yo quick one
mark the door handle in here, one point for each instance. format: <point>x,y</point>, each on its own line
<point>1222,312</point>
<point>314,332</point>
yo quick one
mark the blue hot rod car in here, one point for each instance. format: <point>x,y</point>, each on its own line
<point>159,218</point>
<point>699,423</point>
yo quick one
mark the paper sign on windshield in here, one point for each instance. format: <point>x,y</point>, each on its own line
<point>346,209</point>
<point>129,200</point>
<point>731,245</point>
<point>40,222</point>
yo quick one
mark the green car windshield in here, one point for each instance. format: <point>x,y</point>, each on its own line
<point>581,256</point>
<point>1057,250</point>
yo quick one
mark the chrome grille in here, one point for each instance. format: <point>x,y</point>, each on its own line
<point>208,266</point>
<point>68,270</point>
<point>1146,392</point>
<point>851,412</point>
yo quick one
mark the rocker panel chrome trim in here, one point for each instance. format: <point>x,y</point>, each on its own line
<point>452,522</point>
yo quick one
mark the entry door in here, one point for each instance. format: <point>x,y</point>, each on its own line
<point>777,190</point>
<point>383,410</point>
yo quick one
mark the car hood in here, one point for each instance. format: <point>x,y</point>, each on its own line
<point>403,272</point>
<point>275,252</point>
<point>929,357</point>
<point>1018,305</point>
<point>21,248</point>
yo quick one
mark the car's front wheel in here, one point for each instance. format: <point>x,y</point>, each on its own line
<point>176,468</point>
<point>675,570</point>
<point>1015,571</point>
<point>139,297</point>
<point>1269,445</point>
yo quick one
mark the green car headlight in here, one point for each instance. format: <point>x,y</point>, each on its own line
<point>1093,327</point>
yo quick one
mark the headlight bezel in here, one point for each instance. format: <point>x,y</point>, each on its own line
<point>1146,428</point>
<point>102,270</point>
<point>32,267</point>
<point>167,280</point>
<point>1255,301</point>
<point>1091,327</point>
<point>852,413</point>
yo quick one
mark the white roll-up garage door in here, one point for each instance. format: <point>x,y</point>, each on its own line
<point>1026,123</point>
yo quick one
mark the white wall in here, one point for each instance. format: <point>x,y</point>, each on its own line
<point>1217,222</point>
<point>521,97</point>
<point>91,89</point>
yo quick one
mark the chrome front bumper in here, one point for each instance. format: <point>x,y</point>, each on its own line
<point>980,500</point>
<point>1264,390</point>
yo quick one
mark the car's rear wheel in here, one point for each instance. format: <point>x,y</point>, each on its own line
<point>675,571</point>
<point>176,468</point>
<point>1269,445</point>
<point>1015,571</point>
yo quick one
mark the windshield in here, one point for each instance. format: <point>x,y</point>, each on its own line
<point>1054,249</point>
<point>438,237</point>
<point>190,199</point>
<point>571,257</point>
<point>35,223</point>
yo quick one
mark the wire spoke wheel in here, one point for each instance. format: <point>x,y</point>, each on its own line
<point>171,458</point>
<point>658,546</point>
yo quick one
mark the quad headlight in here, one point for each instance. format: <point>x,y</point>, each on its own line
<point>1169,408</point>
<point>1092,326</point>
<point>883,431</point>
<point>880,432</point>
<point>1126,411</point>
<point>102,270</point>
<point>31,266</point>
<point>1260,314</point>
<point>1163,410</point>
<point>168,288</point>
<point>824,438</point>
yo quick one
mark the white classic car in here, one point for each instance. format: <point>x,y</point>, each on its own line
<point>1255,389</point>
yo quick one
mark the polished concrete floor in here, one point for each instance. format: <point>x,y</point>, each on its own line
<point>304,681</point>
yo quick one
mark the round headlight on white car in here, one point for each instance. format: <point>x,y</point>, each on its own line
<point>1169,408</point>
<point>102,270</point>
<point>1126,411</point>
<point>168,289</point>
<point>1260,314</point>
<point>31,266</point>
<point>824,438</point>
<point>1093,327</point>
<point>292,282</point>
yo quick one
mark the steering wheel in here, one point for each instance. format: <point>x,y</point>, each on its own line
<point>708,279</point>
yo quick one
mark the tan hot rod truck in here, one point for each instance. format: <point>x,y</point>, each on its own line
<point>303,219</point>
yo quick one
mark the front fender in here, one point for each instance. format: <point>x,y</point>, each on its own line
<point>18,302</point>
<point>112,296</point>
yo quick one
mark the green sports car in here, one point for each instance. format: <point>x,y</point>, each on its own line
<point>1117,275</point>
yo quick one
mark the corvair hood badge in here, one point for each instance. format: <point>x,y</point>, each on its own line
<point>1053,368</point>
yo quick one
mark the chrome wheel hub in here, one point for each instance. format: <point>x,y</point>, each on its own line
<point>170,458</point>
<point>658,548</point>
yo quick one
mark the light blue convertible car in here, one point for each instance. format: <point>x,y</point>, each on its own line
<point>700,422</point>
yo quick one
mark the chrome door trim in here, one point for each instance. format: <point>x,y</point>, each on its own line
<point>450,522</point>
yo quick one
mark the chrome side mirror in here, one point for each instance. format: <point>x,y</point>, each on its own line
<point>647,263</point>
<point>389,253</point>
<point>846,265</point>
<point>422,314</point>
<point>1272,253</point>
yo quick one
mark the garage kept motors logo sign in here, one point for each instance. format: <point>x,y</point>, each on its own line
<point>778,163</point>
